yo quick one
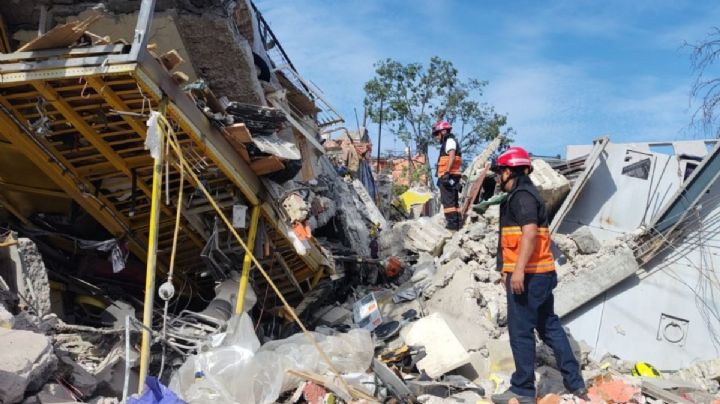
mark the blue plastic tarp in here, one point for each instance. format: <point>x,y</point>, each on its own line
<point>156,393</point>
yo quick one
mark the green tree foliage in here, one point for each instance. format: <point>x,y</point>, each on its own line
<point>415,96</point>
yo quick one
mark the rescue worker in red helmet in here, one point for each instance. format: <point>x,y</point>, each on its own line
<point>528,275</point>
<point>449,170</point>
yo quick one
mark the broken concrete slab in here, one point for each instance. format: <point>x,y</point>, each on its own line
<point>420,235</point>
<point>444,350</point>
<point>443,277</point>
<point>552,185</point>
<point>575,291</point>
<point>586,241</point>
<point>52,393</point>
<point>24,271</point>
<point>80,378</point>
<point>371,209</point>
<point>26,362</point>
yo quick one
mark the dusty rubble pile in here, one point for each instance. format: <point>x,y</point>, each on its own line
<point>44,360</point>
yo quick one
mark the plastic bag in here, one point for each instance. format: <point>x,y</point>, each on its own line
<point>234,370</point>
<point>155,393</point>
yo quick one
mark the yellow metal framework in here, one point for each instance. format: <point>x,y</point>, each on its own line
<point>96,135</point>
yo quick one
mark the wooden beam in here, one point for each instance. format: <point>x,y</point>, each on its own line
<point>4,37</point>
<point>66,178</point>
<point>32,190</point>
<point>52,97</point>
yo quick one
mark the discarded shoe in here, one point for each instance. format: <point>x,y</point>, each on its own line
<point>504,398</point>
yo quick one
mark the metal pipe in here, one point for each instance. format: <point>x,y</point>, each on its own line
<point>247,261</point>
<point>126,383</point>
<point>152,256</point>
<point>377,168</point>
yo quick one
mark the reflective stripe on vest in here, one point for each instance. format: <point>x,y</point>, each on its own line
<point>541,259</point>
<point>445,165</point>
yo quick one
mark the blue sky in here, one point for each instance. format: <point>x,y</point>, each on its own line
<point>565,72</point>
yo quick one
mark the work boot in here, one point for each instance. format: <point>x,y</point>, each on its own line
<point>581,393</point>
<point>504,398</point>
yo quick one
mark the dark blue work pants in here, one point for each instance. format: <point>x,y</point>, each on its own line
<point>533,310</point>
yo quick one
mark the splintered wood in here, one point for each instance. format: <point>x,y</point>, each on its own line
<point>61,36</point>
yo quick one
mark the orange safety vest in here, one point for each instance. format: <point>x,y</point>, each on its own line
<point>444,164</point>
<point>541,259</point>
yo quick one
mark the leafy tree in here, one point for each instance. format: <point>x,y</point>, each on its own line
<point>413,97</point>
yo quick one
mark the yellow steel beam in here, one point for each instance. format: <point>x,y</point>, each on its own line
<point>4,202</point>
<point>97,206</point>
<point>52,97</point>
<point>247,261</point>
<point>151,258</point>
<point>116,102</point>
<point>32,190</point>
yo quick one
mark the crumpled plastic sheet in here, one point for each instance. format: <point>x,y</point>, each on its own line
<point>152,138</point>
<point>236,369</point>
<point>155,393</point>
<point>118,257</point>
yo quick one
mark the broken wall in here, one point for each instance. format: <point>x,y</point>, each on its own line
<point>206,35</point>
<point>629,185</point>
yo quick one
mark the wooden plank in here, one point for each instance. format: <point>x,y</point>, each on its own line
<point>4,37</point>
<point>61,36</point>
<point>474,192</point>
<point>267,165</point>
<point>237,134</point>
<point>48,53</point>
<point>652,390</point>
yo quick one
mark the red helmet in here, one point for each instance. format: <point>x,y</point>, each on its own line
<point>514,157</point>
<point>441,125</point>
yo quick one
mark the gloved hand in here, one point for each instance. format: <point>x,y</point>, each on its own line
<point>484,205</point>
<point>445,179</point>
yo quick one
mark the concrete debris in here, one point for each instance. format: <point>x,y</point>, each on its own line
<point>6,318</point>
<point>81,379</point>
<point>585,241</point>
<point>552,185</point>
<point>705,373</point>
<point>419,235</point>
<point>444,351</point>
<point>52,393</point>
<point>26,362</point>
<point>579,289</point>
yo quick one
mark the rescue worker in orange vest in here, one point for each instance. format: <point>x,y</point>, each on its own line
<point>528,275</point>
<point>449,170</point>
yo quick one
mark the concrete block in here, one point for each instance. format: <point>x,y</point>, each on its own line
<point>501,358</point>
<point>80,378</point>
<point>6,318</point>
<point>574,292</point>
<point>371,210</point>
<point>336,315</point>
<point>586,241</point>
<point>549,381</point>
<point>26,362</point>
<point>552,185</point>
<point>444,350</point>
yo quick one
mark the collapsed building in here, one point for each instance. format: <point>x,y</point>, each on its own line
<point>234,133</point>
<point>170,148</point>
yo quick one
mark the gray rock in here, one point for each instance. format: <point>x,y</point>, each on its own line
<point>53,393</point>
<point>79,377</point>
<point>586,242</point>
<point>26,362</point>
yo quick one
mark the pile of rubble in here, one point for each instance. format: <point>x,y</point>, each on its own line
<point>44,360</point>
